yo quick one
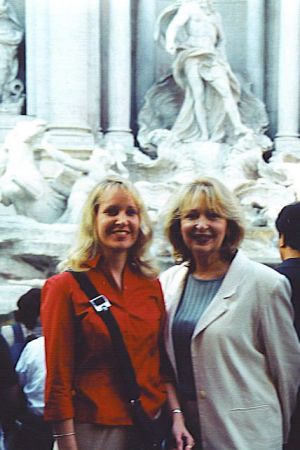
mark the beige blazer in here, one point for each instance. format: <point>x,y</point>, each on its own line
<point>245,356</point>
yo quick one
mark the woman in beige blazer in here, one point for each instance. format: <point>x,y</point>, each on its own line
<point>229,334</point>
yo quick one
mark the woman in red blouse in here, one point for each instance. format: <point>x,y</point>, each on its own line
<point>83,393</point>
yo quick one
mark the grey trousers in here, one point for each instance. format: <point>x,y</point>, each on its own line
<point>100,437</point>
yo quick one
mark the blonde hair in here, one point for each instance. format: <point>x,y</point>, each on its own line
<point>217,198</point>
<point>87,244</point>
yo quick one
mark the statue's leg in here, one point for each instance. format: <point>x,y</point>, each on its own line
<point>197,89</point>
<point>221,84</point>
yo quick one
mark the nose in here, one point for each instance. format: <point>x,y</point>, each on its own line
<point>201,222</point>
<point>121,219</point>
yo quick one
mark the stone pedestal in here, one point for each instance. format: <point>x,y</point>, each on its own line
<point>287,144</point>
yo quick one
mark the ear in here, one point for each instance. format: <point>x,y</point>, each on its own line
<point>281,241</point>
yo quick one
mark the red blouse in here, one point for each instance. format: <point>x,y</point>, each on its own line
<point>82,379</point>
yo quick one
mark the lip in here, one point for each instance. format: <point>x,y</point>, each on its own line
<point>202,238</point>
<point>120,232</point>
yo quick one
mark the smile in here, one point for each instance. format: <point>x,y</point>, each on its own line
<point>202,238</point>
<point>121,232</point>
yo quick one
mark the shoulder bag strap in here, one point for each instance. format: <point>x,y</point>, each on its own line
<point>102,307</point>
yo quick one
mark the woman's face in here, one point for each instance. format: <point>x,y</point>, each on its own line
<point>203,231</point>
<point>117,221</point>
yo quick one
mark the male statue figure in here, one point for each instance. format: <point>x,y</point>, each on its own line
<point>191,30</point>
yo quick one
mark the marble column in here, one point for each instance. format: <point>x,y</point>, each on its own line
<point>256,45</point>
<point>145,52</point>
<point>272,11</point>
<point>37,74</point>
<point>289,75</point>
<point>119,73</point>
<point>63,68</point>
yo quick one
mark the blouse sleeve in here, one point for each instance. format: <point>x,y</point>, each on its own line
<point>58,321</point>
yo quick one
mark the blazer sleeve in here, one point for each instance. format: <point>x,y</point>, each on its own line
<point>281,347</point>
<point>58,320</point>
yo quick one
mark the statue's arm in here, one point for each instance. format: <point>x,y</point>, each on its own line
<point>221,37</point>
<point>67,160</point>
<point>180,19</point>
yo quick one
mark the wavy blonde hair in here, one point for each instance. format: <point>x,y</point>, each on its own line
<point>87,244</point>
<point>215,197</point>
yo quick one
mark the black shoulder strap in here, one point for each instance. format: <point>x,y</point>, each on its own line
<point>130,386</point>
<point>85,284</point>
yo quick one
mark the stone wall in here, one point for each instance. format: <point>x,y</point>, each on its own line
<point>149,61</point>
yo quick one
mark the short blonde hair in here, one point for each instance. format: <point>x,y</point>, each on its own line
<point>216,197</point>
<point>88,245</point>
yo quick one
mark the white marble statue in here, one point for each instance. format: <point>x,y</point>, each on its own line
<point>11,34</point>
<point>191,30</point>
<point>101,163</point>
<point>263,184</point>
<point>22,183</point>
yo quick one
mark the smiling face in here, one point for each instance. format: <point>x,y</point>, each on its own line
<point>117,221</point>
<point>203,230</point>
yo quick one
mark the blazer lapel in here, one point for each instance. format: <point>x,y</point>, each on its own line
<point>180,283</point>
<point>225,295</point>
<point>215,309</point>
<point>172,304</point>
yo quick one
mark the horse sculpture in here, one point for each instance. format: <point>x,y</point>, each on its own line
<point>22,183</point>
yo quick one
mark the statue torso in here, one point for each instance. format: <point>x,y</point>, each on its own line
<point>201,29</point>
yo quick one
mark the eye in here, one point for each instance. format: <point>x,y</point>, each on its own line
<point>131,212</point>
<point>111,211</point>
<point>191,215</point>
<point>210,214</point>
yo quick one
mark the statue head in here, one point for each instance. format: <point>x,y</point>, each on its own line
<point>206,5</point>
<point>26,132</point>
<point>29,131</point>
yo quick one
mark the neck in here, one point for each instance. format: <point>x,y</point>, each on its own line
<point>210,268</point>
<point>115,263</point>
<point>288,252</point>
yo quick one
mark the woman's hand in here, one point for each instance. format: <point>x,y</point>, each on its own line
<point>183,438</point>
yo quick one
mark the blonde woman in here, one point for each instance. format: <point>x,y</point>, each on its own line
<point>83,390</point>
<point>229,333</point>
